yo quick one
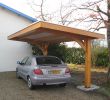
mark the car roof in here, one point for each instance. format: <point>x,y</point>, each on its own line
<point>44,56</point>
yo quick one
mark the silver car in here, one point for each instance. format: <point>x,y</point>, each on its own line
<point>43,70</point>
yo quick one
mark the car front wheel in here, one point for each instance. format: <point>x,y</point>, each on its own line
<point>29,82</point>
<point>17,75</point>
<point>62,85</point>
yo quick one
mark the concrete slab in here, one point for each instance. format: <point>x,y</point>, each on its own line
<point>93,87</point>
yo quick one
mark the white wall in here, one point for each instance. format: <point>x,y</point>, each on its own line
<point>11,51</point>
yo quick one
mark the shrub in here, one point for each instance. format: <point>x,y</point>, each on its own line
<point>102,58</point>
<point>76,55</point>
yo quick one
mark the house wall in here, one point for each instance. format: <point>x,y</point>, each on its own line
<point>11,51</point>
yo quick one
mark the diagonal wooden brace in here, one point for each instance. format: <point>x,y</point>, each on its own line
<point>44,48</point>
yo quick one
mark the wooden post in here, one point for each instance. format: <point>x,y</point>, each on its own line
<point>88,64</point>
<point>44,48</point>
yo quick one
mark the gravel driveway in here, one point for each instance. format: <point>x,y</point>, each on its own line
<point>16,89</point>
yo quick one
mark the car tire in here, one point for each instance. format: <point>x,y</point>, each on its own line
<point>17,75</point>
<point>29,83</point>
<point>62,85</point>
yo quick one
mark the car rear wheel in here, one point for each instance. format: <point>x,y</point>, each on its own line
<point>30,85</point>
<point>62,85</point>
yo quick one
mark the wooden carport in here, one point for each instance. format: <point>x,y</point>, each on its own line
<point>42,34</point>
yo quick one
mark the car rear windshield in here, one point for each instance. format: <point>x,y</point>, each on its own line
<point>48,60</point>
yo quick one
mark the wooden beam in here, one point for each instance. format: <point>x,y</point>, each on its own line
<point>41,26</point>
<point>25,31</point>
<point>88,64</point>
<point>71,30</point>
<point>48,38</point>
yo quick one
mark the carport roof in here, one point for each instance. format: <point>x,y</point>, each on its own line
<point>41,32</point>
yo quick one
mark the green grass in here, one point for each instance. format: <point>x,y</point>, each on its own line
<point>74,67</point>
<point>104,88</point>
<point>71,65</point>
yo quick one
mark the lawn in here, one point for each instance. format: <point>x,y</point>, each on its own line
<point>75,67</point>
<point>98,77</point>
<point>105,89</point>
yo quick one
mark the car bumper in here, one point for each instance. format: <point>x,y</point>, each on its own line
<point>50,81</point>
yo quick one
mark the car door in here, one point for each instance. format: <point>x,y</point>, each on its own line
<point>26,68</point>
<point>22,67</point>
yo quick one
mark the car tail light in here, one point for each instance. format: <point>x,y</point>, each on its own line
<point>67,70</point>
<point>38,72</point>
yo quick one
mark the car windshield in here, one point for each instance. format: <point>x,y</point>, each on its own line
<point>48,60</point>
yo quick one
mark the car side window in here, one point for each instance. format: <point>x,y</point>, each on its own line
<point>24,60</point>
<point>28,62</point>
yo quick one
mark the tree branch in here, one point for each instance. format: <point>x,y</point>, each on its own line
<point>97,28</point>
<point>89,4</point>
<point>105,13</point>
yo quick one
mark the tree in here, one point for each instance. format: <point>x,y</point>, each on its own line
<point>55,49</point>
<point>108,34</point>
<point>102,18</point>
<point>96,18</point>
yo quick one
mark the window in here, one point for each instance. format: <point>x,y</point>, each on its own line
<point>28,62</point>
<point>24,60</point>
<point>48,60</point>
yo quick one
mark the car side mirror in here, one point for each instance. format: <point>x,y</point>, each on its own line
<point>20,63</point>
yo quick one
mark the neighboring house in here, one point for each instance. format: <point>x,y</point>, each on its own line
<point>12,21</point>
